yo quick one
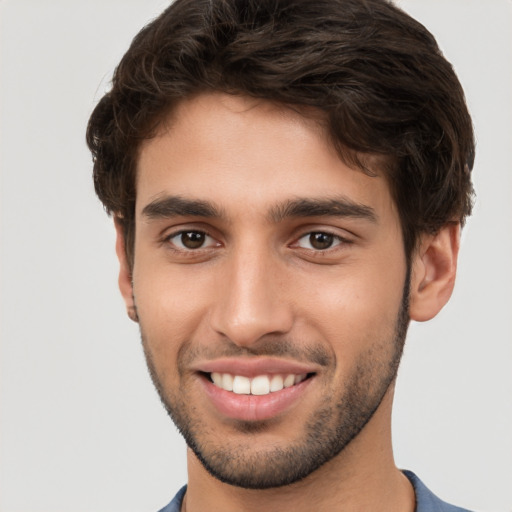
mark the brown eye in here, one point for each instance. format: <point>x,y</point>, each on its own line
<point>319,241</point>
<point>191,240</point>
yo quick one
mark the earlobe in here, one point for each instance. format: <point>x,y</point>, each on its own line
<point>434,266</point>
<point>125,273</point>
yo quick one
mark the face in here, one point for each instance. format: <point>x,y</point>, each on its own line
<point>271,288</point>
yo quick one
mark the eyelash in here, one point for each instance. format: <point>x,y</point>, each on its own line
<point>336,241</point>
<point>168,240</point>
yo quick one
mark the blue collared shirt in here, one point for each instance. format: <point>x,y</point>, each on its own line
<point>426,501</point>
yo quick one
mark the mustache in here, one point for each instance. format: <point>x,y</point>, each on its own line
<point>266,347</point>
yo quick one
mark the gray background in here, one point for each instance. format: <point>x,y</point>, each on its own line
<point>81,428</point>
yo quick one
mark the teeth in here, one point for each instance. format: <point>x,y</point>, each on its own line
<point>217,379</point>
<point>227,382</point>
<point>289,381</point>
<point>260,385</point>
<point>276,383</point>
<point>299,378</point>
<point>241,385</point>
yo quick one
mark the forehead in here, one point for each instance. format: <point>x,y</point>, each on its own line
<point>235,150</point>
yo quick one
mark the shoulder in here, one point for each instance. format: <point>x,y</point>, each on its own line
<point>175,504</point>
<point>426,500</point>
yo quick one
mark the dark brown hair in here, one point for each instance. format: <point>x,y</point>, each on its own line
<point>376,76</point>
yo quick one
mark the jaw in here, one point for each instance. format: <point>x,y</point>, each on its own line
<point>365,465</point>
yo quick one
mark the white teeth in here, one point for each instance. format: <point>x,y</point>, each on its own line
<point>241,385</point>
<point>260,385</point>
<point>227,382</point>
<point>300,378</point>
<point>289,381</point>
<point>276,383</point>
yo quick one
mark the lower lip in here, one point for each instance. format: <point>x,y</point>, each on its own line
<point>254,407</point>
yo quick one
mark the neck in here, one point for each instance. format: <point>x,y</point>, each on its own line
<point>362,477</point>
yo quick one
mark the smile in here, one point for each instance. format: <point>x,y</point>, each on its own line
<point>259,385</point>
<point>255,399</point>
<point>255,389</point>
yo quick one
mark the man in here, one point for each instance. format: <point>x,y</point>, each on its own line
<point>288,181</point>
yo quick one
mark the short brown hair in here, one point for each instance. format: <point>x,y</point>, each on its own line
<point>376,76</point>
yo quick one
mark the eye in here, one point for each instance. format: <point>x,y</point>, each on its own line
<point>191,240</point>
<point>319,241</point>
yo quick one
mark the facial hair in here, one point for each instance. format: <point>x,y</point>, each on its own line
<point>330,428</point>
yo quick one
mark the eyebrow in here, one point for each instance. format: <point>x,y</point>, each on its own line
<point>332,207</point>
<point>177,206</point>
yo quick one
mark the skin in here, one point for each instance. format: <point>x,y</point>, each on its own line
<point>257,285</point>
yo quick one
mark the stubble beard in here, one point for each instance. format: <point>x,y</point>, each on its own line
<point>332,426</point>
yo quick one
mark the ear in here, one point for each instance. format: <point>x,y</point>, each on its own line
<point>434,266</point>
<point>125,273</point>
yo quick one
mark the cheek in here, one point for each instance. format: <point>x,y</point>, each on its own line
<point>356,311</point>
<point>170,306</point>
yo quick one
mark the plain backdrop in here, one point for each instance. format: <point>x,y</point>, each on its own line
<point>81,428</point>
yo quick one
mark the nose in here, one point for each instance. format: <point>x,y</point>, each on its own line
<point>253,300</point>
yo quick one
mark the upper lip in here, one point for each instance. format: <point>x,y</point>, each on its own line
<point>252,367</point>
